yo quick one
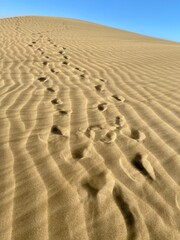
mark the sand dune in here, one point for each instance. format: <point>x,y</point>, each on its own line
<point>90,132</point>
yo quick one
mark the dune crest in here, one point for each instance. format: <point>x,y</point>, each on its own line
<point>90,133</point>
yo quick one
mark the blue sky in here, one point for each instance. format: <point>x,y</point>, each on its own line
<point>159,18</point>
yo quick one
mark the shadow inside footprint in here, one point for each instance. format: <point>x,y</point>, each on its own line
<point>143,166</point>
<point>137,163</point>
<point>102,80</point>
<point>56,130</point>
<point>90,190</point>
<point>50,89</point>
<point>117,121</point>
<point>65,62</point>
<point>45,63</point>
<point>61,52</point>
<point>120,121</point>
<point>82,76</point>
<point>99,88</point>
<point>81,151</point>
<point>52,70</point>
<point>65,57</point>
<point>55,101</point>
<point>118,98</point>
<point>77,68</point>
<point>102,107</point>
<point>135,134</point>
<point>42,79</point>
<point>110,137</point>
<point>78,153</point>
<point>63,112</point>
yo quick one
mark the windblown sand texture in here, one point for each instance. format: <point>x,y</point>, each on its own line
<point>90,132</point>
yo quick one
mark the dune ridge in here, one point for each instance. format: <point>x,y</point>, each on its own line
<point>90,132</point>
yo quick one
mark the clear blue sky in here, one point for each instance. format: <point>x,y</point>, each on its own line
<point>159,18</point>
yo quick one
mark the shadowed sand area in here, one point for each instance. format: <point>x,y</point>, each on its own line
<point>90,132</point>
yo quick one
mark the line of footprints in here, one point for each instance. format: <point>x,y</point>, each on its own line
<point>105,134</point>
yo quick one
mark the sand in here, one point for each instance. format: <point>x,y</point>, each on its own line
<point>90,132</point>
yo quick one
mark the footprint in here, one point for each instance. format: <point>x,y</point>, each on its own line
<point>137,135</point>
<point>92,128</point>
<point>102,80</point>
<point>134,134</point>
<point>97,182</point>
<point>56,130</point>
<point>45,56</point>
<point>118,98</point>
<point>80,152</point>
<point>82,76</point>
<point>45,63</point>
<point>50,89</point>
<point>65,62</point>
<point>52,70</point>
<point>95,127</point>
<point>65,57</point>
<point>120,121</point>
<point>94,132</point>
<point>90,133</point>
<point>90,190</point>
<point>62,52</point>
<point>55,101</point>
<point>143,166</point>
<point>77,68</point>
<point>30,45</point>
<point>33,42</point>
<point>102,107</point>
<point>99,88</point>
<point>63,112</point>
<point>109,137</point>
<point>42,79</point>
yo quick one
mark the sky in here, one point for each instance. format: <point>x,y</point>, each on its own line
<point>157,18</point>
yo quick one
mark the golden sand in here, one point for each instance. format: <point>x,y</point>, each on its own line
<point>90,132</point>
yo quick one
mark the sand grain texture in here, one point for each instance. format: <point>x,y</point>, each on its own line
<point>90,132</point>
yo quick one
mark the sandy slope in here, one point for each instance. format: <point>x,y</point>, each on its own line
<point>90,132</point>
